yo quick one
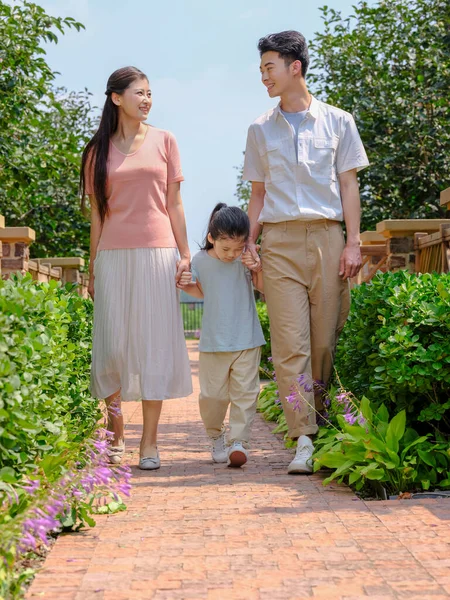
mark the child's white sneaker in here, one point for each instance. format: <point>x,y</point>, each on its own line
<point>219,449</point>
<point>302,462</point>
<point>237,455</point>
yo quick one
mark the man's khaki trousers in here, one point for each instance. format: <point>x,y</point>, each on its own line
<point>229,378</point>
<point>308,304</point>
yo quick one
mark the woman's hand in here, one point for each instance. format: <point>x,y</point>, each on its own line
<point>185,279</point>
<point>183,268</point>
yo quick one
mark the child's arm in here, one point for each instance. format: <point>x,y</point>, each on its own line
<point>194,289</point>
<point>257,280</point>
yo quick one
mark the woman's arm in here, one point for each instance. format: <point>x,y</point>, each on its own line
<point>178,223</point>
<point>96,230</point>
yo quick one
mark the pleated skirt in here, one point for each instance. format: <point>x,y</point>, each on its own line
<point>138,342</point>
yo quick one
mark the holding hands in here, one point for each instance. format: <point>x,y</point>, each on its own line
<point>184,275</point>
<point>250,258</point>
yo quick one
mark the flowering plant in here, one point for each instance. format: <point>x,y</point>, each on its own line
<point>54,472</point>
<point>363,446</point>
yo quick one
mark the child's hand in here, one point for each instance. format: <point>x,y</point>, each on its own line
<point>251,261</point>
<point>185,279</point>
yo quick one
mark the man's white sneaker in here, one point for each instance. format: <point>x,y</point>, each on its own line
<point>237,455</point>
<point>219,449</point>
<point>302,462</point>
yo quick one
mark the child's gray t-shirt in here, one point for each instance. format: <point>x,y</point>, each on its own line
<point>230,321</point>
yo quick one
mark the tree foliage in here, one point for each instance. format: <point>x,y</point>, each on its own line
<point>389,65</point>
<point>42,131</point>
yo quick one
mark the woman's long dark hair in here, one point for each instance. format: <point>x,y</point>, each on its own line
<point>95,155</point>
<point>226,221</point>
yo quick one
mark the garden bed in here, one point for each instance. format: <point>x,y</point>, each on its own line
<point>54,473</point>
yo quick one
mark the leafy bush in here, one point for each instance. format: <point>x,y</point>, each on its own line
<point>269,406</point>
<point>395,347</point>
<point>367,447</point>
<point>266,351</point>
<point>53,459</point>
<point>45,403</point>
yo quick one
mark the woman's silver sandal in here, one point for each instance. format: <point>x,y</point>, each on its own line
<point>150,463</point>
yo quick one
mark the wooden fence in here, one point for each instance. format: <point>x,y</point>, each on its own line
<point>433,251</point>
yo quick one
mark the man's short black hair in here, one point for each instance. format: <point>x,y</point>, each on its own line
<point>290,45</point>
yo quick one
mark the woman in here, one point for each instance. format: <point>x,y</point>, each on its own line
<point>131,172</point>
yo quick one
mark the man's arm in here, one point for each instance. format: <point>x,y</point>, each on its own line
<point>351,260</point>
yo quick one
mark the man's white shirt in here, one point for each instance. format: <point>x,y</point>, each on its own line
<point>307,187</point>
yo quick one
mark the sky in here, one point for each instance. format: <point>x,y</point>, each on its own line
<point>203,66</point>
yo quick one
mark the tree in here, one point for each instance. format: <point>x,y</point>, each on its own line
<point>42,132</point>
<point>243,189</point>
<point>389,65</point>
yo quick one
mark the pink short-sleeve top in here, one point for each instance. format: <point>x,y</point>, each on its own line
<point>137,193</point>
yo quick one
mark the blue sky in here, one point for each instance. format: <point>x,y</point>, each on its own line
<point>203,66</point>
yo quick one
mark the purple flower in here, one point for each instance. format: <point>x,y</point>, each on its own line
<point>294,399</point>
<point>31,485</point>
<point>350,418</point>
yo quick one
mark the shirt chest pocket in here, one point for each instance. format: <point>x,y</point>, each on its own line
<point>321,157</point>
<point>276,156</point>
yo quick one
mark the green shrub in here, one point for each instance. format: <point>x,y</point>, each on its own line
<point>45,403</point>
<point>266,351</point>
<point>54,468</point>
<point>270,407</point>
<point>367,447</point>
<point>395,347</point>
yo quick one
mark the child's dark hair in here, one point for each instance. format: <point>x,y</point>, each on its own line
<point>226,221</point>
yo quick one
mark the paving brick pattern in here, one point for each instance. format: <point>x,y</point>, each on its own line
<point>198,530</point>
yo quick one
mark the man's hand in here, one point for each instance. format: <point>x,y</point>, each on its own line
<point>351,261</point>
<point>183,266</point>
<point>250,258</point>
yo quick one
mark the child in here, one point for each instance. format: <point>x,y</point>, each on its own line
<point>231,337</point>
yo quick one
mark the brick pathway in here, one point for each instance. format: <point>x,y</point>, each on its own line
<point>198,530</point>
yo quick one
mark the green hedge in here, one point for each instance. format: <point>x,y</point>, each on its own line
<point>48,423</point>
<point>45,404</point>
<point>266,352</point>
<point>395,347</point>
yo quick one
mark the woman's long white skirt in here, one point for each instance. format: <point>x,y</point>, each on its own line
<point>139,344</point>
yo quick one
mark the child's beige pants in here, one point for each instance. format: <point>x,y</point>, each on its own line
<point>229,378</point>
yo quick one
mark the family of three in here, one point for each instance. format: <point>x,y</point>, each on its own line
<point>302,159</point>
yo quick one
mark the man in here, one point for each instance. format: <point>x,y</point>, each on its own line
<point>302,158</point>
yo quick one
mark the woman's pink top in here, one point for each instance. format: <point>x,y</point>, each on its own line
<point>137,189</point>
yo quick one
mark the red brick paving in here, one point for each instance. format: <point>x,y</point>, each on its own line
<point>198,530</point>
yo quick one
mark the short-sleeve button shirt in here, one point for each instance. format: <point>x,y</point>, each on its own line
<point>304,187</point>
